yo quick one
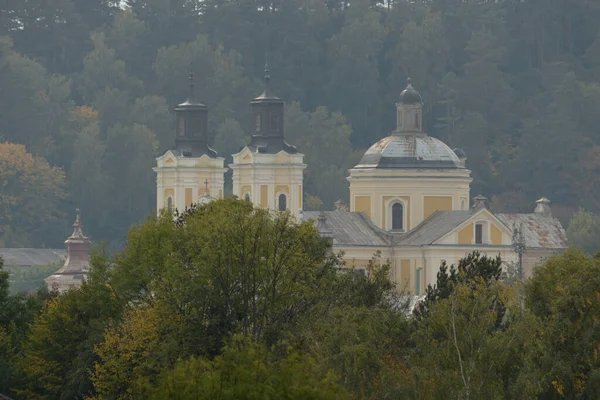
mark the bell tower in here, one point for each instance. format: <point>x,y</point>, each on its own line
<point>268,171</point>
<point>409,111</point>
<point>191,169</point>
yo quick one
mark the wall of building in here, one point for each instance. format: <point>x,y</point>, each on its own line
<point>420,192</point>
<point>185,179</point>
<point>265,177</point>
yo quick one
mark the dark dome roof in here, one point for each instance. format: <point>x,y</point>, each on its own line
<point>410,95</point>
<point>410,151</point>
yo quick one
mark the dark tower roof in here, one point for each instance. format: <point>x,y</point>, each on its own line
<point>410,95</point>
<point>192,126</point>
<point>267,110</point>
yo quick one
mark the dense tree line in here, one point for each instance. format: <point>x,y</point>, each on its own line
<point>233,302</point>
<point>89,85</point>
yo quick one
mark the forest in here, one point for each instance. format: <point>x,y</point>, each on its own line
<point>88,87</point>
<point>227,301</point>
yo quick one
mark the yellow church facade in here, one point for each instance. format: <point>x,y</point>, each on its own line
<point>409,194</point>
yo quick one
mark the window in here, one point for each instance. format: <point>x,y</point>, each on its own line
<point>257,123</point>
<point>418,282</point>
<point>463,204</point>
<point>417,124</point>
<point>247,196</point>
<point>274,122</point>
<point>195,126</point>
<point>169,204</point>
<point>181,128</point>
<point>397,217</point>
<point>282,202</point>
<point>478,233</point>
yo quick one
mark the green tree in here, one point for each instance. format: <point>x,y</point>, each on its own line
<point>470,268</point>
<point>473,345</point>
<point>88,180</point>
<point>31,192</point>
<point>584,232</point>
<point>58,351</point>
<point>353,55</point>
<point>230,138</point>
<point>17,311</point>
<point>31,114</point>
<point>564,294</point>
<point>260,275</point>
<point>246,370</point>
<point>101,70</point>
<point>324,138</point>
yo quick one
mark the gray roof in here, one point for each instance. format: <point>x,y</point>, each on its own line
<point>356,229</point>
<point>539,231</point>
<point>350,228</point>
<point>410,151</point>
<point>437,225</point>
<point>32,257</point>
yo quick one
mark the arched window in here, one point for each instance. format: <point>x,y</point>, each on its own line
<point>282,202</point>
<point>247,196</point>
<point>170,204</point>
<point>397,217</point>
<point>417,124</point>
<point>463,204</point>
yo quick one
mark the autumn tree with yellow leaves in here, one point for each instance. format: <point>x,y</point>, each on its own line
<point>31,192</point>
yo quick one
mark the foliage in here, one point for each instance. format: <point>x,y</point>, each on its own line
<point>365,347</point>
<point>58,351</point>
<point>565,295</point>
<point>474,266</point>
<point>30,195</point>
<point>470,347</point>
<point>509,82</point>
<point>246,370</point>
<point>584,232</point>
<point>17,311</point>
<point>258,274</point>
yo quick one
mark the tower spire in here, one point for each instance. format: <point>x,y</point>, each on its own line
<point>267,70</point>
<point>77,227</point>
<point>192,125</point>
<point>192,86</point>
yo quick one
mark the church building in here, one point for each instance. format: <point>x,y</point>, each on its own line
<point>409,195</point>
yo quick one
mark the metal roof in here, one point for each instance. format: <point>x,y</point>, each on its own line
<point>539,231</point>
<point>350,228</point>
<point>32,257</point>
<point>410,151</point>
<point>434,227</point>
<point>356,229</point>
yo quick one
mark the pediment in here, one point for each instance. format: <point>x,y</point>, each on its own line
<point>483,215</point>
<point>244,156</point>
<point>168,159</point>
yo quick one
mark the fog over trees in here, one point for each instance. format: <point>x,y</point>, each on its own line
<point>89,86</point>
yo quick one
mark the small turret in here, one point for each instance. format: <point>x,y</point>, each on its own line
<point>479,202</point>
<point>543,207</point>
<point>409,111</point>
<point>323,227</point>
<point>75,269</point>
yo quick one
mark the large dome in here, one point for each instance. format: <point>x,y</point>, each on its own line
<point>410,151</point>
